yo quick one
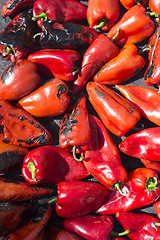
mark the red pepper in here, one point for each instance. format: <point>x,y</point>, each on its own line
<point>102,159</point>
<point>102,13</point>
<point>76,198</point>
<point>14,6</point>
<point>59,10</point>
<point>52,94</point>
<point>117,113</point>
<point>119,238</point>
<point>151,164</point>
<point>100,51</point>
<point>135,26</point>
<point>142,226</point>
<point>143,144</point>
<point>56,63</point>
<point>130,3</point>
<point>124,66</point>
<point>142,188</point>
<point>20,128</point>
<point>74,132</point>
<point>154,5</point>
<point>51,164</point>
<point>145,99</point>
<point>11,85</point>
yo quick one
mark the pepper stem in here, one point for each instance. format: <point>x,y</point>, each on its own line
<point>150,14</point>
<point>8,51</point>
<point>74,155</point>
<point>116,35</point>
<point>117,187</point>
<point>101,22</point>
<point>155,224</point>
<point>32,169</point>
<point>75,71</point>
<point>151,184</point>
<point>53,200</point>
<point>159,89</point>
<point>115,234</point>
<point>43,16</point>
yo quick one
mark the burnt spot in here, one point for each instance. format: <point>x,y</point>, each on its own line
<point>130,110</point>
<point>1,106</point>
<point>100,94</point>
<point>13,4</point>
<point>149,72</point>
<point>8,73</point>
<point>61,89</point>
<point>1,129</point>
<point>67,128</point>
<point>39,214</point>
<point>40,127</point>
<point>10,159</point>
<point>22,118</point>
<point>31,122</point>
<point>11,115</point>
<point>5,141</point>
<point>1,117</point>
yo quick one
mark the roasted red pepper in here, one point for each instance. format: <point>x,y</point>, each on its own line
<point>116,112</point>
<point>102,159</point>
<point>18,79</point>
<point>142,188</point>
<point>102,13</point>
<point>74,132</point>
<point>16,38</point>
<point>20,128</point>
<point>135,26</point>
<point>59,10</point>
<point>146,100</point>
<point>130,3</point>
<point>142,226</point>
<point>124,66</point>
<point>76,198</point>
<point>56,63</point>
<point>51,164</point>
<point>99,52</point>
<point>143,144</point>
<point>52,94</point>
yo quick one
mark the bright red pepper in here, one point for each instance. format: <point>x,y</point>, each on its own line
<point>154,5</point>
<point>100,51</point>
<point>18,79</point>
<point>142,188</point>
<point>76,198</point>
<point>56,63</point>
<point>135,26</point>
<point>145,99</point>
<point>124,66</point>
<point>116,112</point>
<point>102,13</point>
<point>51,164</point>
<point>130,3</point>
<point>151,164</point>
<point>143,144</point>
<point>52,94</point>
<point>59,10</point>
<point>102,159</point>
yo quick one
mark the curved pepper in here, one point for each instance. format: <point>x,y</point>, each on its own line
<point>102,159</point>
<point>18,79</point>
<point>51,164</point>
<point>102,13</point>
<point>135,26</point>
<point>142,188</point>
<point>121,68</point>
<point>143,144</point>
<point>59,10</point>
<point>130,3</point>
<point>145,99</point>
<point>52,94</point>
<point>75,131</point>
<point>116,112</point>
<point>56,63</point>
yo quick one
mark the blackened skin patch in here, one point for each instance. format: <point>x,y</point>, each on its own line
<point>8,73</point>
<point>100,94</point>
<point>61,89</point>
<point>149,72</point>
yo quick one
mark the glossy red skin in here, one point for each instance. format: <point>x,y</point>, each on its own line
<point>60,10</point>
<point>77,198</point>
<point>99,52</point>
<point>143,144</point>
<point>137,196</point>
<point>75,127</point>
<point>130,3</point>
<point>151,164</point>
<point>56,63</point>
<point>53,165</point>
<point>102,159</point>
<point>91,227</point>
<point>140,225</point>
<point>154,5</point>
<point>18,79</point>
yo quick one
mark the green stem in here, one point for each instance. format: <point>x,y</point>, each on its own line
<point>36,35</point>
<point>53,200</point>
<point>43,16</point>
<point>115,234</point>
<point>8,51</point>
<point>32,169</point>
<point>116,35</point>
<point>151,184</point>
<point>150,14</point>
<point>74,155</point>
<point>117,186</point>
<point>159,89</point>
<point>75,71</point>
<point>101,22</point>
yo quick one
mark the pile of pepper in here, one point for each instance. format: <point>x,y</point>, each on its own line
<point>79,138</point>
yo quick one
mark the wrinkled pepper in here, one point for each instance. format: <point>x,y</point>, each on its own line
<point>77,198</point>
<point>99,52</point>
<point>51,164</point>
<point>142,188</point>
<point>16,38</point>
<point>124,66</point>
<point>154,5</point>
<point>52,94</point>
<point>18,79</point>
<point>145,99</point>
<point>56,63</point>
<point>143,144</point>
<point>102,159</point>
<point>102,13</point>
<point>135,26</point>
<point>74,132</point>
<point>58,10</point>
<point>116,112</point>
<point>130,3</point>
